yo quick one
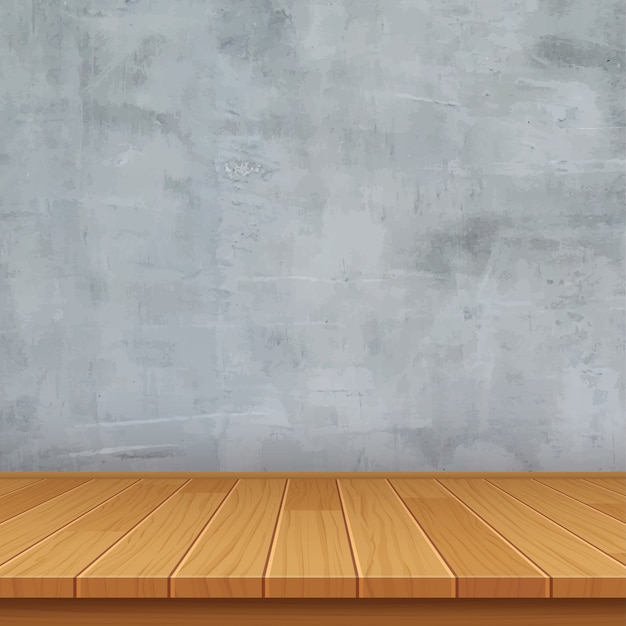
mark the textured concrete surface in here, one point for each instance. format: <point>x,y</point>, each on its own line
<point>312,235</point>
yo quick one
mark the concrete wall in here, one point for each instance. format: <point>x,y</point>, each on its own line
<point>312,235</point>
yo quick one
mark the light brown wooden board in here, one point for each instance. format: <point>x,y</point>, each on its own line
<point>18,502</point>
<point>485,564</point>
<point>229,559</point>
<point>310,537</point>
<point>604,500</point>
<point>140,564</point>
<point>23,531</point>
<point>48,569</point>
<point>7,485</point>
<point>394,558</point>
<point>600,530</point>
<point>577,569</point>
<point>311,555</point>
<point>614,484</point>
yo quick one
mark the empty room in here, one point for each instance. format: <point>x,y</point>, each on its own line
<point>312,312</point>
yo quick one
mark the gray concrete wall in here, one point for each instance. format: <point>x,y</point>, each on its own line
<point>312,235</point>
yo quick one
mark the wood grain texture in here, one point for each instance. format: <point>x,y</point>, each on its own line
<point>311,556</point>
<point>230,557</point>
<point>311,537</point>
<point>303,612</point>
<point>614,484</point>
<point>20,533</point>
<point>598,497</point>
<point>600,530</point>
<point>394,558</point>
<point>18,502</point>
<point>485,565</point>
<point>7,485</point>
<point>577,569</point>
<point>48,569</point>
<point>139,565</point>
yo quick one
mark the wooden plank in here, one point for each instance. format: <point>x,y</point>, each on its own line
<point>614,484</point>
<point>600,530</point>
<point>21,532</point>
<point>229,559</point>
<point>20,501</point>
<point>329,612</point>
<point>599,498</point>
<point>139,565</point>
<point>13,484</point>
<point>577,569</point>
<point>47,570</point>
<point>485,565</point>
<point>311,556</point>
<point>394,558</point>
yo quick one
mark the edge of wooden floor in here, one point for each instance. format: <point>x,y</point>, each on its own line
<point>619,475</point>
<point>310,612</point>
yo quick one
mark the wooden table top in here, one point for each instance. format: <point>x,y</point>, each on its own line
<point>313,536</point>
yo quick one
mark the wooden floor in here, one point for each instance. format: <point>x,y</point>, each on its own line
<point>508,538</point>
